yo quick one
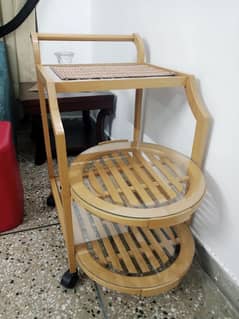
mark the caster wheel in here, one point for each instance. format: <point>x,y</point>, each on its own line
<point>69,279</point>
<point>50,201</point>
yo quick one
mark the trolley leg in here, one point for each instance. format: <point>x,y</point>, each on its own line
<point>70,278</point>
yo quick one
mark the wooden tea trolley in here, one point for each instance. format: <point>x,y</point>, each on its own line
<point>123,206</point>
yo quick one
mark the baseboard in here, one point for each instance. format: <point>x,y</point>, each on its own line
<point>223,281</point>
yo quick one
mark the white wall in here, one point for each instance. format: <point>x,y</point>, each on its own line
<point>199,37</point>
<point>61,16</point>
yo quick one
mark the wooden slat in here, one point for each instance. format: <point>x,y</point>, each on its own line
<point>183,179</point>
<point>163,185</point>
<point>113,141</point>
<point>115,84</point>
<point>99,151</point>
<point>134,251</point>
<point>112,255</point>
<point>169,232</point>
<point>108,183</point>
<point>95,183</point>
<point>172,166</point>
<point>95,244</point>
<point>125,189</point>
<point>147,285</point>
<point>95,171</point>
<point>164,171</point>
<point>147,251</point>
<point>155,245</point>
<point>147,200</point>
<point>123,252</point>
<point>147,180</point>
<point>83,37</point>
<point>165,242</point>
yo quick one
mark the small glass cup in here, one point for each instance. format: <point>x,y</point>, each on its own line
<point>64,57</point>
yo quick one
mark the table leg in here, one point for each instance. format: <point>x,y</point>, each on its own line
<point>37,135</point>
<point>86,118</point>
<point>100,124</point>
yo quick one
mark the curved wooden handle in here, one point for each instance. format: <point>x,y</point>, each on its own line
<point>36,37</point>
<point>202,121</point>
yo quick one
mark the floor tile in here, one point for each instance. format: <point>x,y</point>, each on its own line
<point>31,265</point>
<point>195,298</point>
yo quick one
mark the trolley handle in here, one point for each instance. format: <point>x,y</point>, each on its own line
<point>135,38</point>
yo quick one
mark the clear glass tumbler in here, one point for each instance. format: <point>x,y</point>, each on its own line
<point>64,57</point>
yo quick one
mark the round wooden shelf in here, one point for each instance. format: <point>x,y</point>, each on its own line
<point>133,260</point>
<point>146,185</point>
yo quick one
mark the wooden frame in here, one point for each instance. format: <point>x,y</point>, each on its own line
<point>66,186</point>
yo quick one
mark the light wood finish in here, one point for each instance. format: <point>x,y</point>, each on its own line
<point>59,134</point>
<point>202,121</point>
<point>114,141</point>
<point>84,37</point>
<point>46,73</point>
<point>134,192</point>
<point>45,127</point>
<point>137,185</point>
<point>36,50</point>
<point>123,187</point>
<point>62,197</point>
<point>180,79</point>
<point>135,38</point>
<point>138,41</point>
<point>148,261</point>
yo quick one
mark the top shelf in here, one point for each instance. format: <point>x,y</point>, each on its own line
<point>97,77</point>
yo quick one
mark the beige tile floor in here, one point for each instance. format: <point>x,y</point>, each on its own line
<point>33,259</point>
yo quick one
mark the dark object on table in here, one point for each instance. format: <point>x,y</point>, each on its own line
<point>81,133</point>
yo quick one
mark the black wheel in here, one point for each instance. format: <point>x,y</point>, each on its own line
<point>69,279</point>
<point>50,201</point>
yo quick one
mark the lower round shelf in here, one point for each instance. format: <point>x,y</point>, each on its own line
<point>133,260</point>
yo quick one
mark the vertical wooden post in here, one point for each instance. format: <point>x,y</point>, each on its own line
<point>139,47</point>
<point>61,153</point>
<point>43,107</point>
<point>63,174</point>
<point>45,127</point>
<point>138,115</point>
<point>139,92</point>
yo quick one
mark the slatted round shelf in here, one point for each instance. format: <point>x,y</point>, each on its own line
<point>132,260</point>
<point>146,185</point>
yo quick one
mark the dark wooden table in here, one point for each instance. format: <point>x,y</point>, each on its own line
<point>83,132</point>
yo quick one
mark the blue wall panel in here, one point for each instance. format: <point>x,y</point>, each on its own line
<point>6,93</point>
